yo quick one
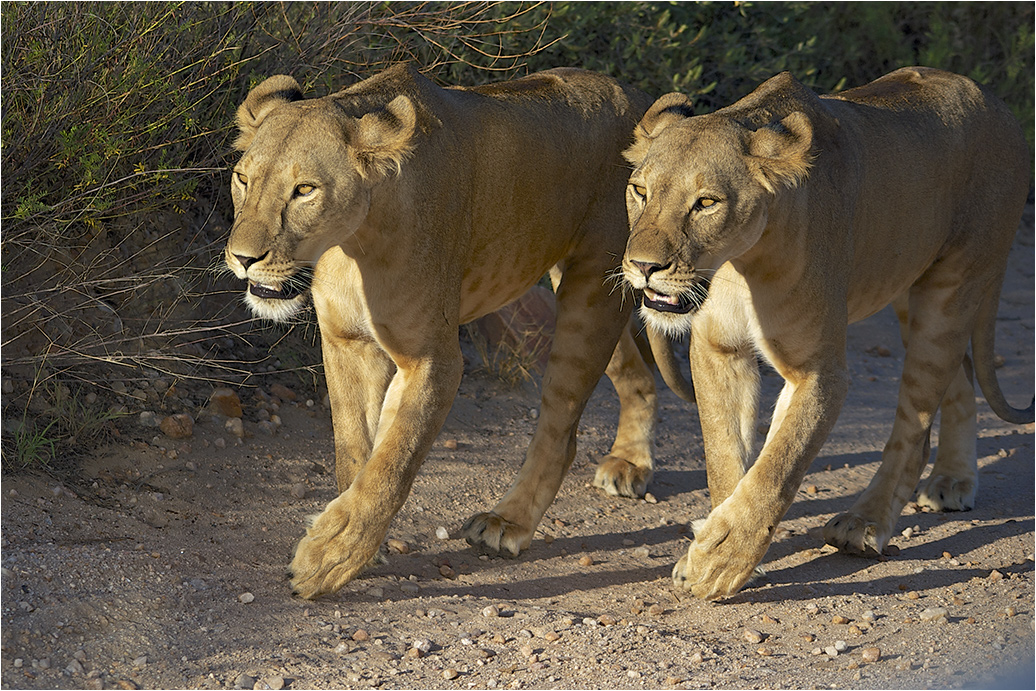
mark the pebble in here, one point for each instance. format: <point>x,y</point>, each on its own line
<point>650,498</point>
<point>752,636</point>
<point>839,619</point>
<point>422,645</point>
<point>869,616</point>
<point>831,651</point>
<point>446,571</point>
<point>656,610</point>
<point>840,646</point>
<point>450,673</point>
<point>246,598</point>
<point>491,611</point>
<point>275,683</point>
<point>225,402</point>
<point>283,392</point>
<point>605,620</point>
<point>908,533</point>
<point>450,444</point>
<point>298,490</point>
<point>586,560</point>
<point>871,654</point>
<point>235,426</point>
<point>220,443</point>
<point>551,636</point>
<point>935,614</point>
<point>397,546</point>
<point>995,575</point>
<point>178,426</point>
<point>147,419</point>
<point>360,635</point>
<point>442,533</point>
<point>642,552</point>
<point>140,661</point>
<point>696,658</point>
<point>244,682</point>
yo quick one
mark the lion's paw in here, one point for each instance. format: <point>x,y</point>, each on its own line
<point>619,477</point>
<point>333,551</point>
<point>946,493</point>
<point>723,558</point>
<point>856,535</point>
<point>494,533</point>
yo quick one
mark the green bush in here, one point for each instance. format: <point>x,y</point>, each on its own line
<point>117,122</point>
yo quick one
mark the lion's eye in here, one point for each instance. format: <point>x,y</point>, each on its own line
<point>242,178</point>
<point>639,190</point>
<point>304,190</point>
<point>705,202</point>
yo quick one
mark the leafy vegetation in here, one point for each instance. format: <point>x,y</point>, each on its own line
<point>117,123</point>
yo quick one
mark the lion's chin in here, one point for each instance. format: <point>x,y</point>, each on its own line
<point>276,309</point>
<point>672,324</point>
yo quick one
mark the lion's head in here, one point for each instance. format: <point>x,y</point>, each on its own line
<point>303,185</point>
<point>699,196</point>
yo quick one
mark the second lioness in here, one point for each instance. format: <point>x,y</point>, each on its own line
<point>767,226</point>
<point>406,210</point>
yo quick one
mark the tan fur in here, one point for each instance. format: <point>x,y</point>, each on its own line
<point>766,227</point>
<point>405,210</point>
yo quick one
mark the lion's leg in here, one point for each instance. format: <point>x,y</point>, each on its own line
<point>939,330</point>
<point>342,539</point>
<point>628,467</point>
<point>953,481</point>
<point>358,373</point>
<point>589,324</point>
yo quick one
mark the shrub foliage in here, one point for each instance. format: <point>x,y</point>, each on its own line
<point>116,130</point>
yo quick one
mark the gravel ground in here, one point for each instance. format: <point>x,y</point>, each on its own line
<point>163,564</point>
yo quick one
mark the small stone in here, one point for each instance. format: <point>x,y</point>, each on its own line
<point>397,546</point>
<point>650,498</point>
<point>360,635</point>
<point>626,542</point>
<point>812,489</point>
<point>275,683</point>
<point>235,427</point>
<point>871,654</point>
<point>442,533</point>
<point>656,610</point>
<point>935,614</point>
<point>855,630</point>
<point>446,571</point>
<point>423,645</point>
<point>908,533</point>
<point>764,651</point>
<point>643,630</point>
<point>840,646</point>
<point>244,682</point>
<point>140,662</point>
<point>298,490</point>
<point>586,560</point>
<point>869,615</point>
<point>526,650</point>
<point>995,575</point>
<point>409,588</point>
<point>696,658</point>
<point>551,636</point>
<point>673,681</point>
<point>491,611</point>
<point>246,598</point>
<point>220,443</point>
<point>414,653</point>
<point>642,552</point>
<point>913,595</point>
<point>1010,611</point>
<point>838,619</point>
<point>819,651</point>
<point>376,592</point>
<point>450,673</point>
<point>178,426</point>
<point>450,444</point>
<point>831,651</point>
<point>605,620</point>
<point>752,636</point>
<point>225,402</point>
<point>283,392</point>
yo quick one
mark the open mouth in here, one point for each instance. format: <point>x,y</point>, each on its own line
<point>678,304</point>
<point>287,291</point>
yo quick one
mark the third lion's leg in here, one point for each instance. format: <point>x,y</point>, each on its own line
<point>628,467</point>
<point>589,324</point>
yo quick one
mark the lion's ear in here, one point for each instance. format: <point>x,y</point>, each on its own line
<point>781,153</point>
<point>261,101</point>
<point>383,139</point>
<point>663,113</point>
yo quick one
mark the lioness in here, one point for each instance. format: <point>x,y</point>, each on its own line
<point>766,227</point>
<point>406,210</point>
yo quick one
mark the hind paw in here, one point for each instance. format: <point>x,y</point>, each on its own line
<point>618,477</point>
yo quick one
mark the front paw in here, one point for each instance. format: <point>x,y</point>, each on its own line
<point>724,556</point>
<point>619,477</point>
<point>947,493</point>
<point>855,534</point>
<point>336,547</point>
<point>491,532</point>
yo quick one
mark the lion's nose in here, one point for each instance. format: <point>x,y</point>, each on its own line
<point>648,268</point>
<point>247,261</point>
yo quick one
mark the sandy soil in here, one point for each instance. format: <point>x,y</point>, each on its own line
<point>163,563</point>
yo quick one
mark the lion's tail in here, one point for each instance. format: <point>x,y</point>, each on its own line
<point>982,339</point>
<point>665,360</point>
